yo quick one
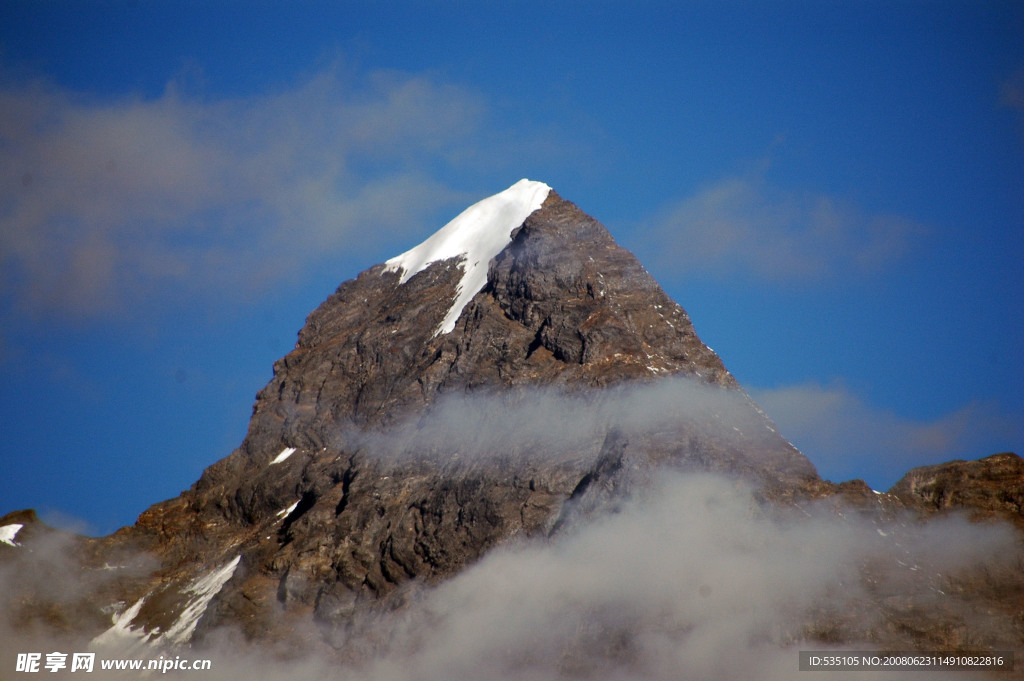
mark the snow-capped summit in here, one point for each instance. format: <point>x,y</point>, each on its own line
<point>476,235</point>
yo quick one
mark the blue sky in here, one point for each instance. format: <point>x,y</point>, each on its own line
<point>833,190</point>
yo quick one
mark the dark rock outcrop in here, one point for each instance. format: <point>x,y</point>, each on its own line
<point>992,487</point>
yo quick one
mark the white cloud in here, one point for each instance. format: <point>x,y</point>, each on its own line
<point>105,201</point>
<point>548,425</point>
<point>745,225</point>
<point>845,436</point>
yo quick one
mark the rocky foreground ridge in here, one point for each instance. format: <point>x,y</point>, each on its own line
<point>390,453</point>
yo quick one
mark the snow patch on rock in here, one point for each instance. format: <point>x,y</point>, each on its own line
<point>285,512</point>
<point>285,453</point>
<point>9,532</point>
<point>131,641</point>
<point>121,636</point>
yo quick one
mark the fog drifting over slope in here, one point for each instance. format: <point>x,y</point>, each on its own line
<point>546,425</point>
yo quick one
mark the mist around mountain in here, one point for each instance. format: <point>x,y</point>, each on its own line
<point>506,454</point>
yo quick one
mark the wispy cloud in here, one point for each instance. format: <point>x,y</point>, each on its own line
<point>547,424</point>
<point>746,225</point>
<point>104,201</point>
<point>845,436</point>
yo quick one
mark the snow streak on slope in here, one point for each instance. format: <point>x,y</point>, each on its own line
<point>285,453</point>
<point>477,235</point>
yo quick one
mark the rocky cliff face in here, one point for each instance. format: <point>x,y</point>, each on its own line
<point>420,422</point>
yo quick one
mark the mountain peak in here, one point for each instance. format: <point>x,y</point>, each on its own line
<point>512,377</point>
<point>475,236</point>
<point>521,289</point>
